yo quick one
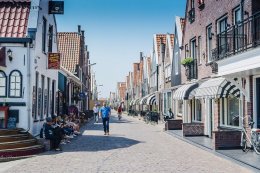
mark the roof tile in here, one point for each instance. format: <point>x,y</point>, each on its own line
<point>69,47</point>
<point>14,16</point>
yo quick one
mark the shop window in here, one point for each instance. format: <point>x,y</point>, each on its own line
<point>180,107</point>
<point>230,112</point>
<point>197,111</point>
<point>3,84</point>
<point>15,84</point>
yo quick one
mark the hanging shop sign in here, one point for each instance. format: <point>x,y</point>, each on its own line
<point>54,61</point>
<point>56,7</point>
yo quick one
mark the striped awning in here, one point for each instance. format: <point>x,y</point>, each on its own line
<point>217,88</point>
<point>143,101</point>
<point>185,92</point>
<point>151,100</point>
<point>136,102</point>
<point>132,102</point>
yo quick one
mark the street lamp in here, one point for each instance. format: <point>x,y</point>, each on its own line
<point>92,64</point>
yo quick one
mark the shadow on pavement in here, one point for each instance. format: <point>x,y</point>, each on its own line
<point>93,143</point>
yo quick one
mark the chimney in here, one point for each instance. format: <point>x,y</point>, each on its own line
<point>82,33</point>
<point>79,29</point>
<point>141,56</point>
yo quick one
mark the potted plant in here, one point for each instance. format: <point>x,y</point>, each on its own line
<point>187,61</point>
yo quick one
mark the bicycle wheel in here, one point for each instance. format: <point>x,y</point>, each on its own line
<point>256,145</point>
<point>244,142</point>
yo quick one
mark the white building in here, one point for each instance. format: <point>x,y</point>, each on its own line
<point>28,87</point>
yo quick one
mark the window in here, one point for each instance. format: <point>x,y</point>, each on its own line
<point>197,110</point>
<point>180,106</point>
<point>193,48</point>
<point>199,49</point>
<point>176,61</point>
<point>222,41</point>
<point>42,97</point>
<point>36,94</point>
<point>238,29</point>
<point>209,43</point>
<point>192,4</point>
<point>237,15</point>
<point>48,95</point>
<point>230,111</point>
<point>44,25</point>
<point>15,84</point>
<point>186,51</point>
<point>3,84</point>
<point>50,38</point>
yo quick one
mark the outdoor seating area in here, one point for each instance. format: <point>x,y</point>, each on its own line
<point>59,130</point>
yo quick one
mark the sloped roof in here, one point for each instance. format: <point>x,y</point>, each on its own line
<point>69,47</point>
<point>14,16</point>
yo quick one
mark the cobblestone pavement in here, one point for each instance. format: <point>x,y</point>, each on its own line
<point>132,146</point>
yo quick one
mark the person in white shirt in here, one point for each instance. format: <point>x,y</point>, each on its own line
<point>96,110</point>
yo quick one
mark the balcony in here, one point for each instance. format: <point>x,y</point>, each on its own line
<point>191,70</point>
<point>238,51</point>
<point>191,15</point>
<point>238,38</point>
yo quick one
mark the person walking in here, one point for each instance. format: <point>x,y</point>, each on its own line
<point>119,112</point>
<point>105,112</point>
<point>96,110</point>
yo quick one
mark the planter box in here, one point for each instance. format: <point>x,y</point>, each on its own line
<point>173,125</point>
<point>193,129</point>
<point>226,139</point>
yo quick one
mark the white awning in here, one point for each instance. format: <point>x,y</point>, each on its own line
<point>217,88</point>
<point>143,100</point>
<point>185,92</point>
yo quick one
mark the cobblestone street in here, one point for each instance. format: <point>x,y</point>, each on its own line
<point>132,146</point>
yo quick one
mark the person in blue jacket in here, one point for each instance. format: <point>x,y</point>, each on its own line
<point>105,112</point>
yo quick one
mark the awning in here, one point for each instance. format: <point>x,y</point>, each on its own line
<point>185,92</point>
<point>132,102</point>
<point>217,88</point>
<point>136,102</point>
<point>143,101</point>
<point>151,100</point>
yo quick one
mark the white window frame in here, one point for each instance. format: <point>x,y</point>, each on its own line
<point>178,110</point>
<point>4,77</point>
<point>194,112</point>
<point>226,114</point>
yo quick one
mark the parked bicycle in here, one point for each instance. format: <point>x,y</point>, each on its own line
<point>252,141</point>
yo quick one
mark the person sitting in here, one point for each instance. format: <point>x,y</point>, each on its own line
<point>50,134</point>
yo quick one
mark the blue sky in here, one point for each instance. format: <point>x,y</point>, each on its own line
<point>117,31</point>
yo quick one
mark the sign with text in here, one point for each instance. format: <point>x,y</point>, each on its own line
<point>54,61</point>
<point>56,7</point>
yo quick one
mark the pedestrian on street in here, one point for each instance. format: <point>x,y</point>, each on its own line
<point>105,112</point>
<point>119,112</point>
<point>96,110</point>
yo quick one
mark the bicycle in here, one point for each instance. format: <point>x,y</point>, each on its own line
<point>253,140</point>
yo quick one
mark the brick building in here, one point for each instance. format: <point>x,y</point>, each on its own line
<point>214,98</point>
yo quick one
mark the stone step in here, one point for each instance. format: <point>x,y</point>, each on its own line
<point>16,137</point>
<point>18,144</point>
<point>22,151</point>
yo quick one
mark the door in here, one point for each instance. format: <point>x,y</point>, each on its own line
<point>258,102</point>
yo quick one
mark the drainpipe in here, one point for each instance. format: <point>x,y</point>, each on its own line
<point>29,86</point>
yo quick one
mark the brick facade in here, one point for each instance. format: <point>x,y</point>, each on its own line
<point>173,125</point>
<point>226,139</point>
<point>193,129</point>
